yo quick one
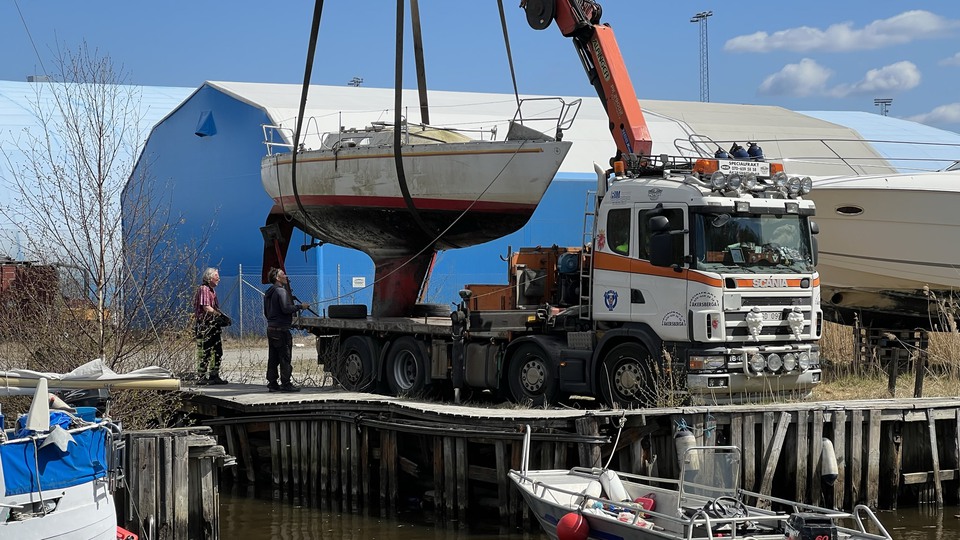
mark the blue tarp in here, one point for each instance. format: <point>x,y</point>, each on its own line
<point>82,462</point>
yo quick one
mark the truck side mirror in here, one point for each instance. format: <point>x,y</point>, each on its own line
<point>659,224</point>
<point>814,247</point>
<point>661,250</point>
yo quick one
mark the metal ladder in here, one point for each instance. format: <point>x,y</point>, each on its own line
<point>586,260</point>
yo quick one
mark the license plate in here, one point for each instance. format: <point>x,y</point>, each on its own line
<point>772,316</point>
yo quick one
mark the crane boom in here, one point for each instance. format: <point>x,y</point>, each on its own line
<point>600,55</point>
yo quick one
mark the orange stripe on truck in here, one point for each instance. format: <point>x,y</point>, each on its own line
<point>616,263</point>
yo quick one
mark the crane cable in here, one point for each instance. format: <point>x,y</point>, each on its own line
<point>506,42</point>
<point>397,132</point>
<point>308,70</point>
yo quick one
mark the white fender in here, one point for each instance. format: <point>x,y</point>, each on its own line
<point>828,462</point>
<point>683,440</point>
<point>613,486</point>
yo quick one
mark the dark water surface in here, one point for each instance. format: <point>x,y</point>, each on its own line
<point>246,516</point>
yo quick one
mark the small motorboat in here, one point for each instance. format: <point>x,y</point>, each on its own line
<point>451,192</point>
<point>706,502</point>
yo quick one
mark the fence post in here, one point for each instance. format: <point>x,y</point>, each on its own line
<point>240,297</point>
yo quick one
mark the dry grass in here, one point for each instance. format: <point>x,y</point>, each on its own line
<point>846,377</point>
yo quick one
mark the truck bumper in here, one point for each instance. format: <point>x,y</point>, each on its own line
<point>726,388</point>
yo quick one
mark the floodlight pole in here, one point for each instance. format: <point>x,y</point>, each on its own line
<point>884,104</point>
<point>701,20</point>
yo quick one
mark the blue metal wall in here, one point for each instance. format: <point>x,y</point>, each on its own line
<point>214,182</point>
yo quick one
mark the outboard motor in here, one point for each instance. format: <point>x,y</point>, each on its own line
<point>810,526</point>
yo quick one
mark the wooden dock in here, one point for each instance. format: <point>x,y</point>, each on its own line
<point>364,451</point>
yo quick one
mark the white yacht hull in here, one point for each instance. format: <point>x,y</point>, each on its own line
<point>884,240</point>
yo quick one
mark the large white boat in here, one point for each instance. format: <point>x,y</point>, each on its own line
<point>451,191</point>
<point>888,246</point>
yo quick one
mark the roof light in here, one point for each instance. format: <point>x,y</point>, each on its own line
<point>734,181</point>
<point>806,185</point>
<point>793,208</point>
<point>750,181</point>
<point>780,179</point>
<point>793,185</point>
<point>706,166</point>
<point>718,180</point>
<point>742,206</point>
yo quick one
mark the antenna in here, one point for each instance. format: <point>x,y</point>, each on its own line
<point>356,81</point>
<point>701,20</point>
<point>884,104</point>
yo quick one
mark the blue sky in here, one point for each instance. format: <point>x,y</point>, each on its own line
<point>811,55</point>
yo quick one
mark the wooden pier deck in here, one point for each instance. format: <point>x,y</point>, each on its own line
<point>372,451</point>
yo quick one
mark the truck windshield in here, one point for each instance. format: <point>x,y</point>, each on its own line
<point>758,243</point>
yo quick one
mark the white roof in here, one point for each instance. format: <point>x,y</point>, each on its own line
<point>781,133</point>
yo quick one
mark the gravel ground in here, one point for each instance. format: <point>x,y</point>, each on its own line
<point>248,363</point>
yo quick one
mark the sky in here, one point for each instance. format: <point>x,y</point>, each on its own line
<point>806,56</point>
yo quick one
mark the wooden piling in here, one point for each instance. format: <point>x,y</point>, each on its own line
<point>934,457</point>
<point>803,457</point>
<point>840,446</point>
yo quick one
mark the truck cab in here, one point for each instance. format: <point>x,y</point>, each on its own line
<point>706,280</point>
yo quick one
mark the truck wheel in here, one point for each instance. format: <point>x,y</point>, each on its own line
<point>530,377</point>
<point>628,377</point>
<point>407,367</point>
<point>357,359</point>
<point>347,311</point>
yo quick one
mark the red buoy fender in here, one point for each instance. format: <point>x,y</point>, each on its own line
<point>573,526</point>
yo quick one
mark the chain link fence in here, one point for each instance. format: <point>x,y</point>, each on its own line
<point>241,297</point>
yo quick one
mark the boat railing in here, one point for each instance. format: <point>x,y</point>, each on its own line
<point>273,137</point>
<point>560,121</point>
<point>861,530</point>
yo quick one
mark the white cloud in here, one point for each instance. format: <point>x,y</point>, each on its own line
<point>951,61</point>
<point>903,28</point>
<point>804,79</point>
<point>890,79</point>
<point>944,114</point>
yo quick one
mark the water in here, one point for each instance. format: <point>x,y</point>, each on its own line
<point>246,516</point>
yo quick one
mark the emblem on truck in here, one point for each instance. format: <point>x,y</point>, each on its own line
<point>673,318</point>
<point>759,283</point>
<point>610,299</point>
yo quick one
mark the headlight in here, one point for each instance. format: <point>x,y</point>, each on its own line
<point>804,361</point>
<point>789,362</point>
<point>774,362</point>
<point>757,363</point>
<point>814,359</point>
<point>707,362</point>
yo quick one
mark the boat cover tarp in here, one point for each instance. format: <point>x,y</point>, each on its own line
<point>94,370</point>
<point>82,463</point>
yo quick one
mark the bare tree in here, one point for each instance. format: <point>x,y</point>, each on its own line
<point>110,237</point>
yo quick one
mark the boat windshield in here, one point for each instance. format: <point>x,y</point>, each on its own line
<point>710,472</point>
<point>777,244</point>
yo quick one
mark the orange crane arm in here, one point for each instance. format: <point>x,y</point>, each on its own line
<point>600,55</point>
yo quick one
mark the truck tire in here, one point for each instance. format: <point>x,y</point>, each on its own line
<point>530,378</point>
<point>347,311</point>
<point>628,377</point>
<point>407,367</point>
<point>431,310</point>
<point>355,364</point>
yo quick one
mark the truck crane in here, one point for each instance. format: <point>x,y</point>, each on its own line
<point>697,282</point>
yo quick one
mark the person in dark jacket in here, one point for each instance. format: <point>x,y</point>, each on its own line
<point>278,307</point>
